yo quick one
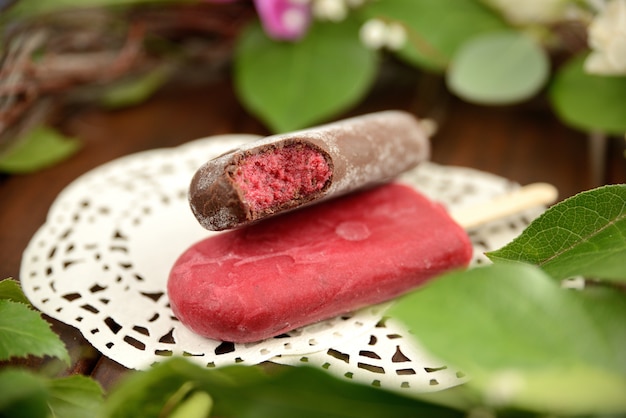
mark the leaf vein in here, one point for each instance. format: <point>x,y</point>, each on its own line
<point>586,238</point>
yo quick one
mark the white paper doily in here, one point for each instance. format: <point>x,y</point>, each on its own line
<point>100,263</point>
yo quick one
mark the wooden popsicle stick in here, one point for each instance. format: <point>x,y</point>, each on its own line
<point>525,197</point>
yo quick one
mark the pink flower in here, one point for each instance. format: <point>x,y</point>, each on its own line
<point>284,19</point>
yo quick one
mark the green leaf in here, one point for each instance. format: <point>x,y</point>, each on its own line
<point>198,405</point>
<point>135,91</point>
<point>23,394</point>
<point>245,391</point>
<point>74,396</point>
<point>29,8</point>
<point>607,308</point>
<point>161,389</point>
<point>436,28</point>
<point>24,332</point>
<point>584,235</point>
<point>29,395</point>
<point>294,85</point>
<point>40,148</point>
<point>523,340</point>
<point>498,68</point>
<point>589,102</point>
<point>11,290</point>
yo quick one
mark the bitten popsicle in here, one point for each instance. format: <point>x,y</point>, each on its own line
<point>361,249</point>
<point>283,172</point>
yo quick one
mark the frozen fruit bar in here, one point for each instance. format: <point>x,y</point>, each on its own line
<point>257,282</point>
<point>284,172</point>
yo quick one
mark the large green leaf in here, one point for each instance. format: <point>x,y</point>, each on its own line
<point>436,28</point>
<point>584,235</point>
<point>245,391</point>
<point>523,340</point>
<point>498,68</point>
<point>589,102</point>
<point>22,394</point>
<point>39,148</point>
<point>29,395</point>
<point>294,85</point>
<point>24,332</point>
<point>74,396</point>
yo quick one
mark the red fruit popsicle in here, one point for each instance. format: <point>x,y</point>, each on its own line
<point>364,248</point>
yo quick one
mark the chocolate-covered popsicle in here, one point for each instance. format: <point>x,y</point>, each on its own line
<point>287,171</point>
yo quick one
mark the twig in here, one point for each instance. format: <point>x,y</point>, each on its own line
<point>59,53</point>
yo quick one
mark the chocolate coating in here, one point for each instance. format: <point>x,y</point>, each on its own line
<point>361,152</point>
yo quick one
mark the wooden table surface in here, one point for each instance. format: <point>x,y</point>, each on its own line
<point>524,143</point>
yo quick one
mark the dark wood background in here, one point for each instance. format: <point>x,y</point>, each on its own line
<point>525,143</point>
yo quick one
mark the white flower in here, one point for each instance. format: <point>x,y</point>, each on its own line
<point>333,10</point>
<point>377,34</point>
<point>373,34</point>
<point>396,35</point>
<point>530,11</point>
<point>607,39</point>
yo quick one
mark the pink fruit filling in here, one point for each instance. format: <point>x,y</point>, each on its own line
<point>275,177</point>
